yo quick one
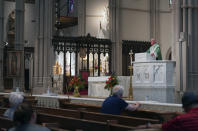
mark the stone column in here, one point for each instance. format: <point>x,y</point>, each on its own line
<point>81,17</point>
<point>114,25</point>
<point>154,20</point>
<point>191,46</point>
<point>187,32</point>
<point>44,54</point>
<point>1,43</point>
<point>177,29</point>
<point>19,41</point>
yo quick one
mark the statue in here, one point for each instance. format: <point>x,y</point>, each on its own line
<point>154,50</point>
<point>11,23</point>
<point>57,69</point>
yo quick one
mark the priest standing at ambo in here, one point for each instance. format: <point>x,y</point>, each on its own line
<point>154,50</point>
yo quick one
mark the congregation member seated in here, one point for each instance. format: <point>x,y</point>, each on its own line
<point>25,119</point>
<point>184,122</point>
<point>14,100</point>
<point>115,104</point>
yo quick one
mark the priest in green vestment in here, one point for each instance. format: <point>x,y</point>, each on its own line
<point>154,50</point>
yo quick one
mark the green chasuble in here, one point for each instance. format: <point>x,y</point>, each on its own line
<point>156,50</point>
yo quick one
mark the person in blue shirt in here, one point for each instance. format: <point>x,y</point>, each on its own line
<point>115,104</point>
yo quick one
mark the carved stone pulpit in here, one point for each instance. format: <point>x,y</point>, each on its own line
<point>154,81</point>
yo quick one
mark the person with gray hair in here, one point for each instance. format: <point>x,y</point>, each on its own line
<point>115,104</point>
<point>14,100</point>
<point>25,119</point>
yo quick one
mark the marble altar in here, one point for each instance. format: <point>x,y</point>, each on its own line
<point>96,86</point>
<point>154,80</point>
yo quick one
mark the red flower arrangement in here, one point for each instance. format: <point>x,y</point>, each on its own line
<point>111,82</point>
<point>76,82</point>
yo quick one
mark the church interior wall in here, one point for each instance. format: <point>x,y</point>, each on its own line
<point>71,31</point>
<point>30,24</point>
<point>135,4</point>
<point>94,14</point>
<point>8,8</point>
<point>165,27</point>
<point>134,20</point>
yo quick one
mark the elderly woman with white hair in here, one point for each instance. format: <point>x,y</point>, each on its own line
<point>115,104</point>
<point>14,100</point>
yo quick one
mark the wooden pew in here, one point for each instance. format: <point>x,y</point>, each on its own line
<point>158,115</point>
<point>96,116</point>
<point>74,123</point>
<point>27,99</point>
<point>59,112</point>
<point>86,125</point>
<point>5,123</point>
<point>122,120</point>
<point>67,105</point>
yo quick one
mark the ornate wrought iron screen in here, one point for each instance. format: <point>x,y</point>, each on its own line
<point>136,47</point>
<point>90,45</point>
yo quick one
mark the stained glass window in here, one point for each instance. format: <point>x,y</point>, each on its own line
<point>71,6</point>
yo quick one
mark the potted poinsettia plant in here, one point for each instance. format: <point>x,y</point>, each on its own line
<point>76,84</point>
<point>111,82</point>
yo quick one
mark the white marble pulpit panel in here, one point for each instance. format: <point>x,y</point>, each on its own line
<point>142,57</point>
<point>154,80</point>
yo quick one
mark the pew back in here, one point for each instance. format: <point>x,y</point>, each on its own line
<point>158,115</point>
<point>96,116</point>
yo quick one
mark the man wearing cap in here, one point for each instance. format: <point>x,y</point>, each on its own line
<point>184,122</point>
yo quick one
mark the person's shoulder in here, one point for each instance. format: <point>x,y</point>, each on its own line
<point>12,129</point>
<point>39,128</point>
<point>186,116</point>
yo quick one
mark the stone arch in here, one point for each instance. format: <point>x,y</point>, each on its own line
<point>169,54</point>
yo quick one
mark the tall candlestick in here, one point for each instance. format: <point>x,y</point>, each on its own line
<point>131,56</point>
<point>130,69</point>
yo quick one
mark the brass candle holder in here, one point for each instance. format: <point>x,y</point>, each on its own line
<point>130,69</point>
